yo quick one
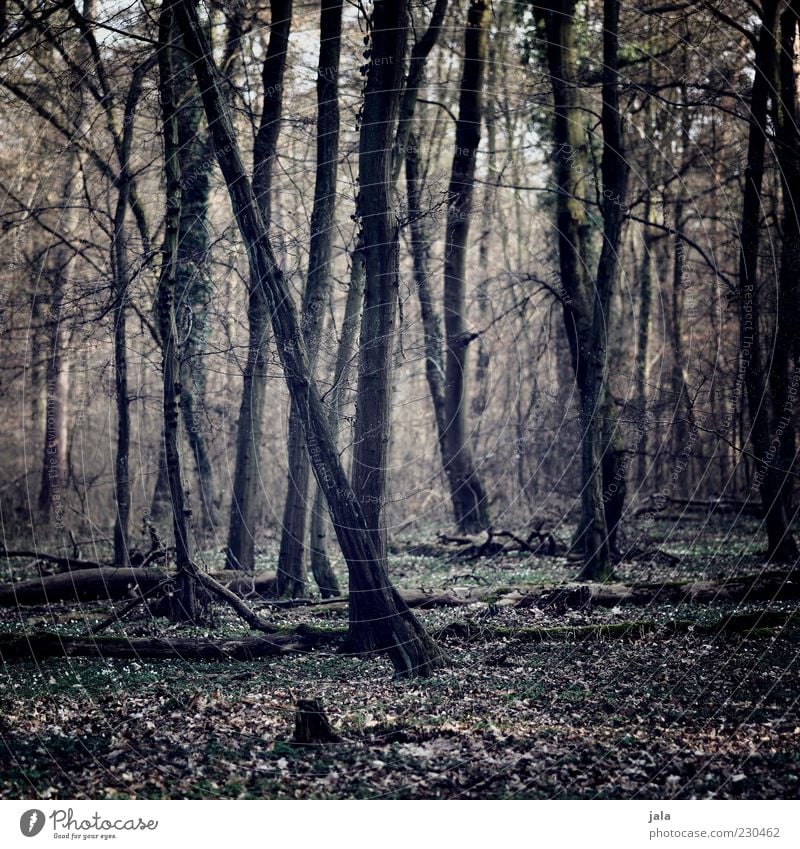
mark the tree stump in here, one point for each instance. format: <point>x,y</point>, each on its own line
<point>311,726</point>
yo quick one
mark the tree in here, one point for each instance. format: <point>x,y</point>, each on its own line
<point>185,605</point>
<point>769,479</point>
<point>379,618</point>
<point>587,301</point>
<point>467,491</point>
<point>244,505</point>
<point>291,572</point>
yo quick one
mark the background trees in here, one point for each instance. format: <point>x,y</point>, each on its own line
<point>596,206</point>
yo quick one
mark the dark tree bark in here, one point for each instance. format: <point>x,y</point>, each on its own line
<point>380,234</point>
<point>320,563</point>
<point>311,726</point>
<point>646,273</point>
<point>431,326</point>
<point>126,198</point>
<point>379,619</point>
<point>186,602</point>
<point>585,301</point>
<point>466,487</point>
<point>193,294</point>
<point>597,440</point>
<point>781,545</point>
<point>121,471</point>
<point>245,501</point>
<point>246,493</point>
<point>416,72</point>
<point>291,566</point>
<point>787,347</point>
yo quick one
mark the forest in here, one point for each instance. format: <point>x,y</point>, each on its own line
<point>399,399</point>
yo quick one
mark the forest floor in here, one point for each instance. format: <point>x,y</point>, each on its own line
<point>653,714</point>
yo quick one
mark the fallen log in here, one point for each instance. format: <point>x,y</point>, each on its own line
<point>752,624</point>
<point>109,583</point>
<point>491,543</point>
<point>44,644</point>
<point>768,586</point>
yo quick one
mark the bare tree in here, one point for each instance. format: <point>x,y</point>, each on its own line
<point>379,618</point>
<point>244,505</point>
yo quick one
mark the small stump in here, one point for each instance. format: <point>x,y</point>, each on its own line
<point>562,599</point>
<point>311,726</point>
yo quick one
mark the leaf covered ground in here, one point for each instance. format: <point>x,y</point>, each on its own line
<point>695,714</point>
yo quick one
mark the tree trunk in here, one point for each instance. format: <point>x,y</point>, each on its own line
<point>291,571</point>
<point>466,488</point>
<point>160,510</point>
<point>597,424</point>
<point>380,232</point>
<point>194,290</point>
<point>320,563</point>
<point>431,326</point>
<point>646,270</point>
<point>379,619</point>
<point>780,542</point>
<point>121,472</point>
<point>246,492</point>
<point>240,551</point>
<point>586,304</point>
<point>787,319</point>
<point>185,603</point>
<point>56,371</point>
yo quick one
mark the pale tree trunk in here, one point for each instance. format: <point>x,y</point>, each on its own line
<point>246,491</point>
<point>56,362</point>
<point>466,488</point>
<point>291,567</point>
<point>379,619</point>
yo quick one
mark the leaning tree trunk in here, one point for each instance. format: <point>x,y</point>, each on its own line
<point>380,620</point>
<point>246,492</point>
<point>780,542</point>
<point>291,571</point>
<point>467,492</point>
